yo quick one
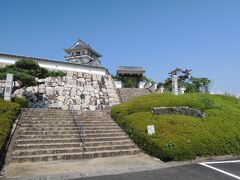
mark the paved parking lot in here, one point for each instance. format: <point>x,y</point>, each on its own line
<point>220,170</point>
<point>230,168</point>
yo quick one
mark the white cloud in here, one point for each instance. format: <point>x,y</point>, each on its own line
<point>217,92</point>
<point>223,93</point>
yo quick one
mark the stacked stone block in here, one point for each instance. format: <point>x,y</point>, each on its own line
<point>127,94</point>
<point>86,91</point>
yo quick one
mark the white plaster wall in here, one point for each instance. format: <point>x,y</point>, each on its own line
<point>118,84</point>
<point>141,84</point>
<point>59,66</point>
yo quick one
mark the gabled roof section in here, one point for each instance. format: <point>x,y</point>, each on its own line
<point>130,70</point>
<point>79,45</point>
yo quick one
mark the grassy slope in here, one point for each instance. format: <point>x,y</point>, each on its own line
<point>8,113</point>
<point>180,137</point>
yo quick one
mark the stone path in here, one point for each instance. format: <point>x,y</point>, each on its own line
<point>84,168</point>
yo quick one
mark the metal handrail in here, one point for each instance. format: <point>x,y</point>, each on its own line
<point>78,123</point>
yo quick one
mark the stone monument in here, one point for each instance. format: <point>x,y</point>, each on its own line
<point>182,90</point>
<point>161,89</point>
<point>8,87</point>
<point>175,84</point>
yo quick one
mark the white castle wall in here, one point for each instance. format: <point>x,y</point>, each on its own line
<point>56,65</point>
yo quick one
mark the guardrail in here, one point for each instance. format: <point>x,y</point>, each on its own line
<point>79,125</point>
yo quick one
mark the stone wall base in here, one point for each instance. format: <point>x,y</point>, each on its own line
<point>86,91</point>
<point>178,110</point>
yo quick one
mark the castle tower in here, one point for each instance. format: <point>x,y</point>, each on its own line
<point>82,53</point>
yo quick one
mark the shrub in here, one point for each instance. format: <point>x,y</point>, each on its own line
<point>22,101</point>
<point>26,71</point>
<point>8,113</point>
<point>180,137</point>
<point>56,74</point>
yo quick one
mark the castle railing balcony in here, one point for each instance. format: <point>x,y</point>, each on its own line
<point>76,56</point>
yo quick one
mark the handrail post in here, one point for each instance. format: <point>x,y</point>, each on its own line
<point>78,123</point>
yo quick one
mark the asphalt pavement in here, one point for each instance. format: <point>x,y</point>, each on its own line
<point>211,171</point>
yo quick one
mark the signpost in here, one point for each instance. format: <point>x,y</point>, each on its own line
<point>8,87</point>
<point>151,129</point>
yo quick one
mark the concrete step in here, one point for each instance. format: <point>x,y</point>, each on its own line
<point>45,135</point>
<point>47,125</point>
<point>47,113</point>
<point>70,118</point>
<point>70,140</point>
<point>70,135</point>
<point>70,150</point>
<point>67,122</point>
<point>40,117</point>
<point>66,125</point>
<point>74,156</point>
<point>68,128</point>
<point>60,115</point>
<point>57,140</point>
<point>28,132</point>
<point>35,115</point>
<point>46,121</point>
<point>75,144</point>
<point>69,132</point>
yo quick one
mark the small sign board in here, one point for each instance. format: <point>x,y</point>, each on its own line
<point>151,129</point>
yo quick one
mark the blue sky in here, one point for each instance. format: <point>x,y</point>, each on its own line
<point>160,35</point>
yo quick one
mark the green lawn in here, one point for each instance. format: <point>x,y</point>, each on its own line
<point>180,137</point>
<point>8,113</point>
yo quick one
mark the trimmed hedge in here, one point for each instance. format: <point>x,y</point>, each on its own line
<point>22,101</point>
<point>180,137</point>
<point>8,113</point>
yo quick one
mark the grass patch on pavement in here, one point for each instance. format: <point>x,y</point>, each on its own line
<point>180,137</point>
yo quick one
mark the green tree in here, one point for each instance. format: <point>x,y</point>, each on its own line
<point>198,85</point>
<point>192,84</point>
<point>25,72</point>
<point>131,81</point>
<point>183,77</point>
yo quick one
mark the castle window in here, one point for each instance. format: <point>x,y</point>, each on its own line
<point>78,53</point>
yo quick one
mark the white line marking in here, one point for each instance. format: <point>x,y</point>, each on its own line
<point>219,170</point>
<point>222,162</point>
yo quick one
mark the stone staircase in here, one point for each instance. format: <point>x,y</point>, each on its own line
<point>51,134</point>
<point>128,93</point>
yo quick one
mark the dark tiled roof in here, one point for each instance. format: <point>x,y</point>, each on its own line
<point>130,70</point>
<point>47,60</point>
<point>79,45</point>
